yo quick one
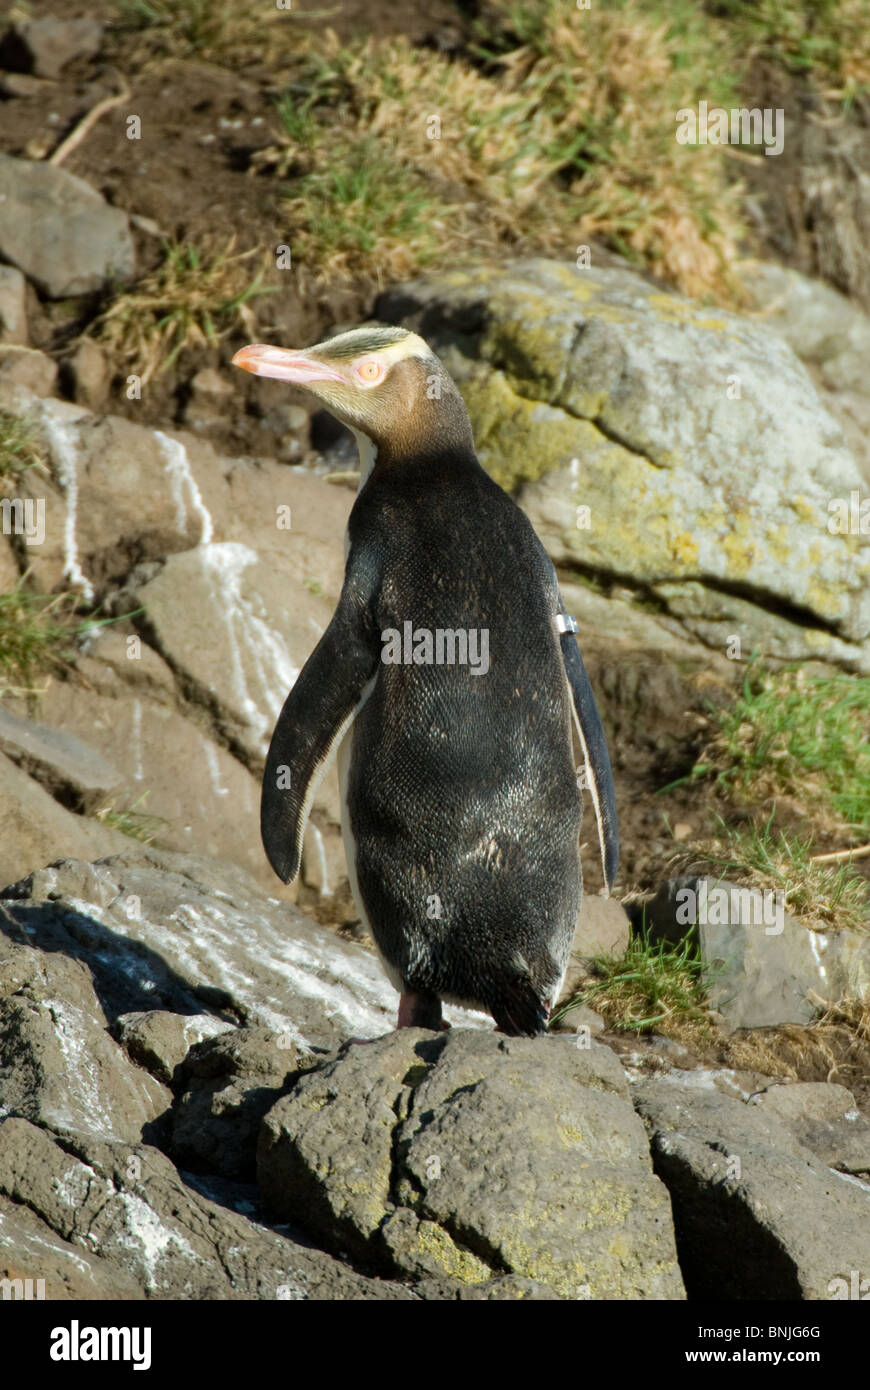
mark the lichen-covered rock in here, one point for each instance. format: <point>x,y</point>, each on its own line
<point>397,1152</point>
<point>658,442</point>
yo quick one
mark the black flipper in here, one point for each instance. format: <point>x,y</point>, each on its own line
<point>594,745</point>
<point>315,716</point>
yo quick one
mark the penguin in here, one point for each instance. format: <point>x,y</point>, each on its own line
<point>447,682</point>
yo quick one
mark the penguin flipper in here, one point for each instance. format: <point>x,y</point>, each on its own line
<point>594,745</point>
<point>315,716</point>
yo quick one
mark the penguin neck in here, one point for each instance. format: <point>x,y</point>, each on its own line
<point>368,453</point>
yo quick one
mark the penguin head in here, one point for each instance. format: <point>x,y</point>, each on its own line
<point>385,384</point>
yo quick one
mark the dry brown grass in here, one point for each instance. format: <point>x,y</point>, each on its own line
<point>835,1048</point>
<point>194,298</point>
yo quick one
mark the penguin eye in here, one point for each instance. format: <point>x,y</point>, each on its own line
<point>370,371</point>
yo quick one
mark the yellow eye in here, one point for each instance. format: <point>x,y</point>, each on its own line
<point>369,371</point>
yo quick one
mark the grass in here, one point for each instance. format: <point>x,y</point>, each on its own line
<point>37,631</point>
<point>800,737</point>
<point>828,39</point>
<point>192,300</point>
<point>654,987</point>
<point>20,449</point>
<point>543,143</point>
<point>821,896</point>
<point>133,822</point>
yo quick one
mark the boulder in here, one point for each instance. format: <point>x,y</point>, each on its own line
<point>174,931</point>
<point>160,1040</point>
<point>58,1066</point>
<point>35,829</point>
<point>395,1153</point>
<point>44,47</point>
<point>65,765</point>
<point>756,1214</point>
<point>824,1119</point>
<point>59,231</point>
<point>127,1204</point>
<point>660,444</point>
<point>762,966</point>
<point>230,1083</point>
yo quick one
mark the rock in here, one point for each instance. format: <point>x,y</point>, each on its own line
<point>45,46</point>
<point>25,367</point>
<point>13,306</point>
<point>35,829</point>
<point>209,392</point>
<point>580,1019</point>
<point>127,1204</point>
<point>395,1153</point>
<point>603,928</point>
<point>695,440</point>
<point>239,628</point>
<point>232,1082</point>
<point>820,325</point>
<point>32,1256</point>
<point>159,1040</point>
<point>756,1214</point>
<point>21,84</point>
<point>58,230</point>
<point>58,1066</point>
<point>89,373</point>
<point>824,1119</point>
<point>66,766</point>
<point>761,966</point>
<point>187,934</point>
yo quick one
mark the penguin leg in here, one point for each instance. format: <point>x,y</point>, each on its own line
<point>420,1010</point>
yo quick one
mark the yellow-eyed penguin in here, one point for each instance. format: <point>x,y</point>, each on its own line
<point>449,676</point>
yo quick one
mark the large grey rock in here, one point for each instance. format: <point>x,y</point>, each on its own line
<point>58,230</point>
<point>62,763</point>
<point>58,1065</point>
<point>824,1119</point>
<point>756,1214</point>
<point>396,1152</point>
<point>127,1204</point>
<point>173,931</point>
<point>694,437</point>
<point>762,967</point>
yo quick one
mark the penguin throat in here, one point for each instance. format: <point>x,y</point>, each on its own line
<point>367,455</point>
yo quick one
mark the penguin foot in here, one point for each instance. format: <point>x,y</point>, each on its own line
<point>420,1010</point>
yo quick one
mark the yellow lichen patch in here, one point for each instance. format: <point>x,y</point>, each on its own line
<point>684,549</point>
<point>434,1241</point>
<point>741,554</point>
<point>804,509</point>
<point>778,540</point>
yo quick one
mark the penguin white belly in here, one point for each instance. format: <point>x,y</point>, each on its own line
<point>350,843</point>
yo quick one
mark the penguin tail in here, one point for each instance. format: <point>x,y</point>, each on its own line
<point>519,1010</point>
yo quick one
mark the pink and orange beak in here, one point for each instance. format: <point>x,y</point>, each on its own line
<point>284,365</point>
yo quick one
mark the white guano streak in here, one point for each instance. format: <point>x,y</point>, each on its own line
<point>63,443</point>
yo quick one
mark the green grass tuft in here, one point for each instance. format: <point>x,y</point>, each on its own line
<point>654,987</point>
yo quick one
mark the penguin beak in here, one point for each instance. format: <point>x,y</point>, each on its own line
<point>284,365</point>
